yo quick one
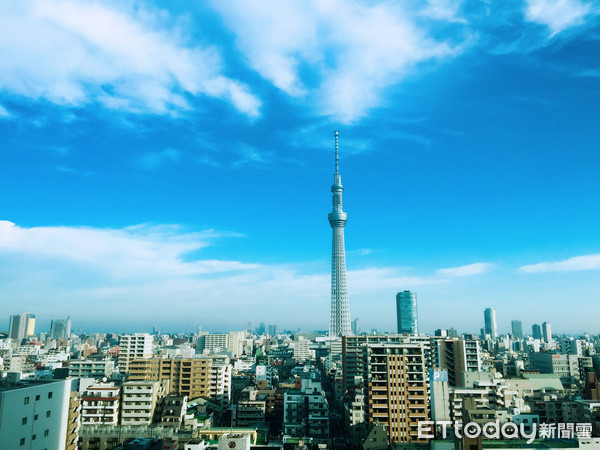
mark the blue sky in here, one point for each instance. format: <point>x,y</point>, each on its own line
<point>171,167</point>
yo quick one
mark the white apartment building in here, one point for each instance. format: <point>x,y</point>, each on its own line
<point>100,404</point>
<point>88,368</point>
<point>139,400</point>
<point>33,414</point>
<point>135,346</point>
<point>302,351</point>
<point>235,344</point>
<point>220,379</point>
<point>244,364</point>
<point>213,343</point>
<point>264,373</point>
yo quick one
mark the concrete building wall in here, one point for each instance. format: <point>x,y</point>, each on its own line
<point>34,415</point>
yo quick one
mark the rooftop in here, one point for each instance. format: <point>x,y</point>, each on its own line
<point>23,384</point>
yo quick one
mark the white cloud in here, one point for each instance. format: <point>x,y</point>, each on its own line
<point>464,271</point>
<point>576,263</point>
<point>557,15</point>
<point>342,53</point>
<point>76,52</point>
<point>135,252</point>
<point>4,114</point>
<point>447,10</point>
<point>158,274</point>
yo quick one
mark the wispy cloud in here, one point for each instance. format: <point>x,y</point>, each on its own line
<point>467,270</point>
<point>82,271</point>
<point>73,171</point>
<point>576,263</point>
<point>139,251</point>
<point>131,59</point>
<point>361,251</point>
<point>247,154</point>
<point>4,114</point>
<point>153,160</point>
<point>446,10</point>
<point>595,73</point>
<point>342,54</point>
<point>557,15</point>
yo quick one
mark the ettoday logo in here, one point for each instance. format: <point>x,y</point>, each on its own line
<point>508,430</point>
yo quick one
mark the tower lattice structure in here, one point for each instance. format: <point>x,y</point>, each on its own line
<point>339,317</point>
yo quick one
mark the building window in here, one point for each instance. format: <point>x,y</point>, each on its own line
<point>37,397</point>
<point>34,437</point>
<point>35,417</point>
<point>22,442</point>
<point>48,413</point>
<point>49,394</point>
<point>23,420</point>
<point>26,401</point>
<point>46,433</point>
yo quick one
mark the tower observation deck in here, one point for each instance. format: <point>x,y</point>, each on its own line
<point>339,317</point>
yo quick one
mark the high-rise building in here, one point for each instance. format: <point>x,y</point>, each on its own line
<point>60,329</point>
<point>457,355</point>
<point>397,389</point>
<point>517,329</point>
<point>21,326</point>
<point>355,327</point>
<point>221,343</point>
<point>354,354</point>
<point>406,311</point>
<point>132,347</point>
<point>547,332</point>
<point>139,401</point>
<point>187,376</point>
<point>339,317</point>
<point>220,379</point>
<point>536,331</point>
<point>305,410</point>
<point>490,322</point>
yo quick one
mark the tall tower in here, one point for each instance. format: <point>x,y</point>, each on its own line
<point>21,326</point>
<point>547,332</point>
<point>489,316</point>
<point>406,312</point>
<point>517,329</point>
<point>339,317</point>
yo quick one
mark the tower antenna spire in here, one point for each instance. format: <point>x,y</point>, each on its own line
<point>337,153</point>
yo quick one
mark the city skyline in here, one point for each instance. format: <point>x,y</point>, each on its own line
<point>149,167</point>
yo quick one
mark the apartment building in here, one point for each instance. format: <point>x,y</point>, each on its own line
<point>90,368</point>
<point>190,377</point>
<point>456,356</point>
<point>397,388</point>
<point>139,400</point>
<point>100,404</point>
<point>34,414</point>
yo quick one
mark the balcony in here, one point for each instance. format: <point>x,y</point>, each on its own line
<point>130,406</point>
